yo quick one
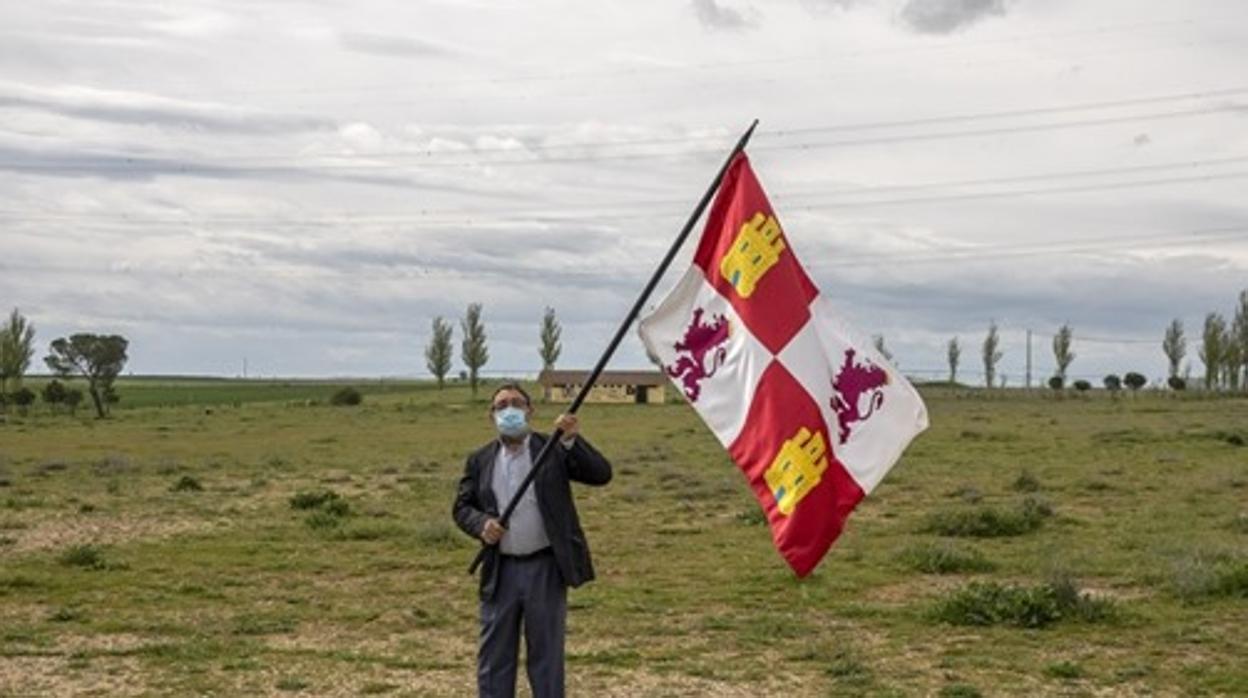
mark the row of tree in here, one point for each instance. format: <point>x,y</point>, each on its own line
<point>473,348</point>
<point>97,358</point>
<point>1223,351</point>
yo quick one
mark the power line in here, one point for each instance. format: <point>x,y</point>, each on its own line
<point>130,161</point>
<point>462,215</point>
<point>412,223</point>
<point>431,266</point>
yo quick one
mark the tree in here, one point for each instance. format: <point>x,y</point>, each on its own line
<point>1232,359</point>
<point>954,353</point>
<point>1057,382</point>
<point>1240,333</point>
<point>54,394</point>
<point>551,347</point>
<point>439,351</point>
<point>17,346</point>
<point>473,349</point>
<point>23,398</point>
<point>1062,354</point>
<point>1112,383</point>
<point>1082,386</point>
<point>1211,352</point>
<point>1177,383</point>
<point>1134,380</point>
<point>992,355</point>
<point>878,340</point>
<point>73,398</point>
<point>1174,345</point>
<point>98,358</point>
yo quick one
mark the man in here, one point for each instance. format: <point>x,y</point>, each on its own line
<point>542,552</point>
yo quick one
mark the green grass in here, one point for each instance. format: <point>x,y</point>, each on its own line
<point>318,556</point>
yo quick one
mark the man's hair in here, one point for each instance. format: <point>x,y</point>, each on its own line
<point>511,386</point>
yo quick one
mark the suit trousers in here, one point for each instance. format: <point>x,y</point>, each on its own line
<point>531,593</point>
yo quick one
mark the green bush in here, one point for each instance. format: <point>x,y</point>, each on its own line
<point>320,520</point>
<point>327,506</point>
<point>943,558</point>
<point>1064,670</point>
<point>346,397</point>
<point>1025,482</point>
<point>989,522</point>
<point>23,398</point>
<point>1201,575</point>
<point>54,392</point>
<point>1082,386</point>
<point>313,500</point>
<point>989,603</point>
<point>85,556</point>
<point>186,484</point>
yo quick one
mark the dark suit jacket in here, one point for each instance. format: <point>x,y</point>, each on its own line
<point>475,502</point>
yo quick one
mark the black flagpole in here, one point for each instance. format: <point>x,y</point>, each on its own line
<point>619,336</point>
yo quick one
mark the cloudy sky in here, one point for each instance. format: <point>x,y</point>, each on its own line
<point>305,184</point>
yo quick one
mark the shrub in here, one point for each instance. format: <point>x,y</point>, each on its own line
<point>1112,382</point>
<point>1134,380</point>
<point>1082,386</point>
<point>1025,482</point>
<point>988,522</point>
<point>439,534</point>
<point>54,392</point>
<point>346,397</point>
<point>85,556</point>
<point>313,500</point>
<point>1064,670</point>
<point>327,506</point>
<point>989,603</point>
<point>187,484</point>
<point>321,520</point>
<point>943,558</point>
<point>1201,575</point>
<point>73,398</point>
<point>1057,382</point>
<point>23,398</point>
<point>1176,383</point>
<point>337,507</point>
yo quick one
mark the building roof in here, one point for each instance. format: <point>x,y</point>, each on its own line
<point>577,377</point>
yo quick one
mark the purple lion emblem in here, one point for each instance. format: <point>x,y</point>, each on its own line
<point>699,353</point>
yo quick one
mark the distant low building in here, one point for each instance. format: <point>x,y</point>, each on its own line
<point>612,386</point>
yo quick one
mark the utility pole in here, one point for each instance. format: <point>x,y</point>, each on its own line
<point>1029,359</point>
<point>244,367</point>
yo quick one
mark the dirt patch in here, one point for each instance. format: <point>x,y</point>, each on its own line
<point>60,676</point>
<point>64,531</point>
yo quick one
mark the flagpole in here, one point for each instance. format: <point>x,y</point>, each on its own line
<point>619,336</point>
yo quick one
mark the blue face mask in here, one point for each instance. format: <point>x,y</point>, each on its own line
<point>512,422</point>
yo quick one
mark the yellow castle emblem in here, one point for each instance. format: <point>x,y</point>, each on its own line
<point>755,250</point>
<point>796,469</point>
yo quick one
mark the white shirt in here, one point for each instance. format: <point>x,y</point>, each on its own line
<point>525,531</point>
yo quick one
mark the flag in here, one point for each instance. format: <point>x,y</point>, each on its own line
<point>809,410</point>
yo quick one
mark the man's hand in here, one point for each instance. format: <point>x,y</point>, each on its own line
<point>493,531</point>
<point>570,426</point>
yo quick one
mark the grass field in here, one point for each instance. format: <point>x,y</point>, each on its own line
<point>144,391</point>
<point>1024,546</point>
